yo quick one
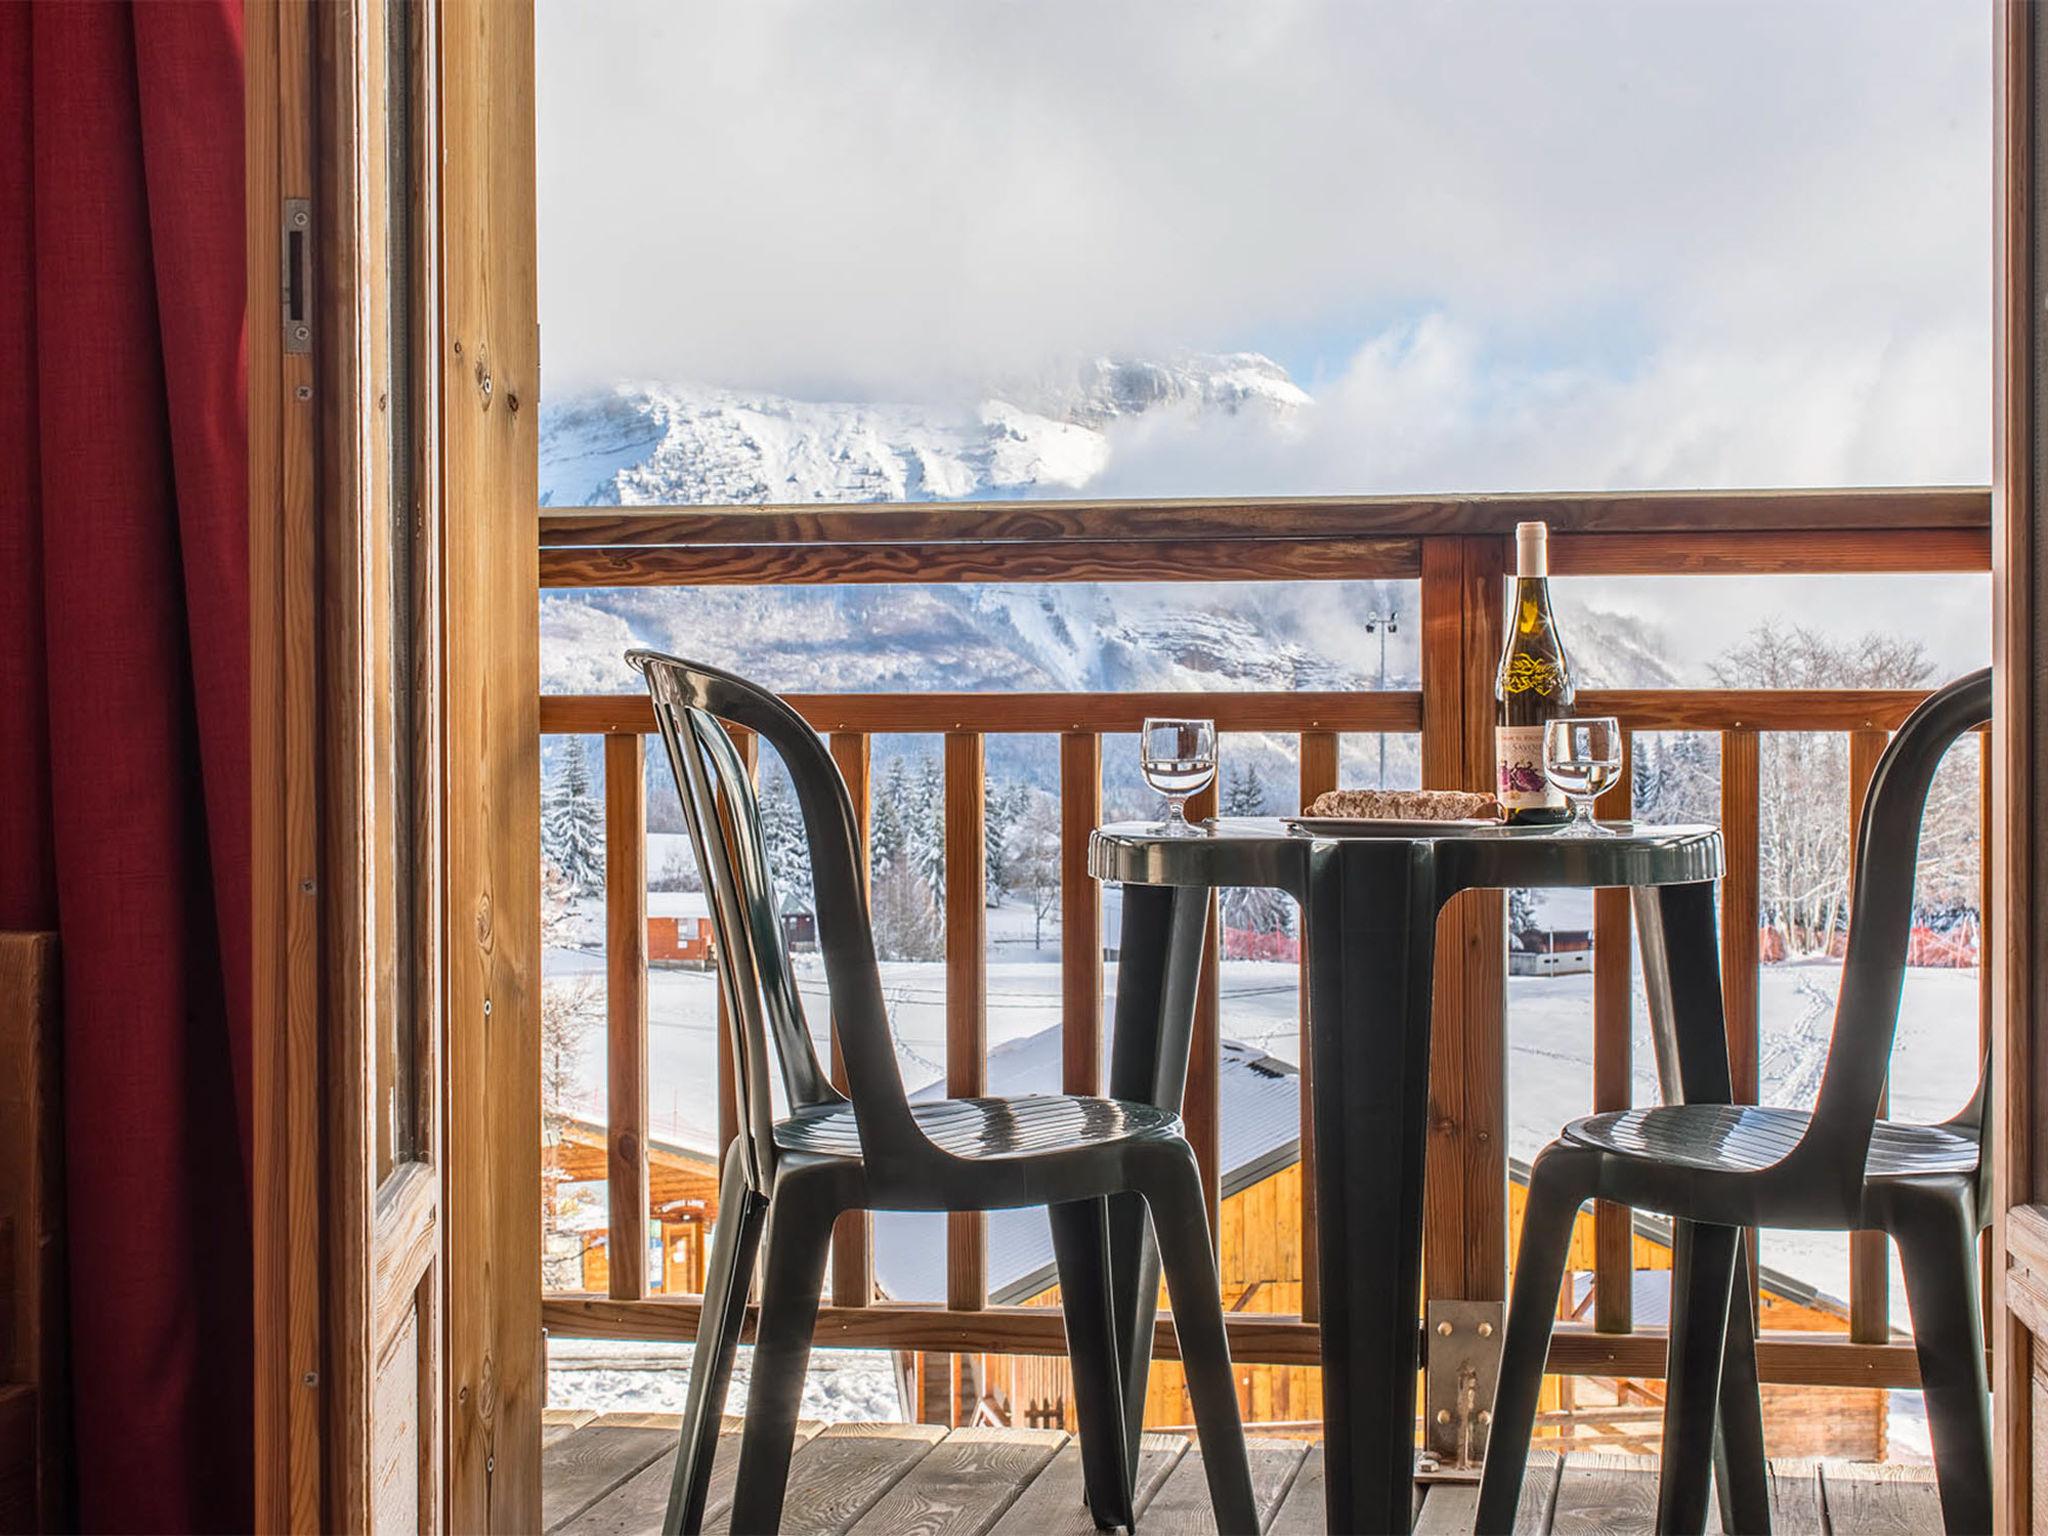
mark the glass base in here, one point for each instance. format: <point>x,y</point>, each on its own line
<point>1582,823</point>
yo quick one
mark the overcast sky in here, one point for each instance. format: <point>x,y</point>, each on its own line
<point>1560,244</point>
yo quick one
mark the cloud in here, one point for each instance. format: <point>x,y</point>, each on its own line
<point>879,200</point>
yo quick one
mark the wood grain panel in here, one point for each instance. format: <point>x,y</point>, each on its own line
<point>1824,1360</point>
<point>32,1305</point>
<point>760,565</point>
<point>1754,709</point>
<point>1613,1064</point>
<point>1181,1507</point>
<point>1740,767</point>
<point>966,833</point>
<point>1870,1268</point>
<point>853,1262</point>
<point>837,1477</point>
<point>625,953</point>
<point>1054,1504</point>
<point>1732,552</point>
<point>1465,1195</point>
<point>1318,773</point>
<point>1080,915</point>
<point>488,356</point>
<point>1019,713</point>
<point>1672,513</point>
<point>963,1484</point>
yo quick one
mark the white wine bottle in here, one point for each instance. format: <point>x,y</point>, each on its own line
<point>1533,687</point>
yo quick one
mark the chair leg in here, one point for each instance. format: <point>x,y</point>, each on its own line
<point>1702,1274</point>
<point>1557,1188</point>
<point>1742,1476</point>
<point>1080,1244</point>
<point>1937,1237</point>
<point>799,1233</point>
<point>1181,1225</point>
<point>735,1235</point>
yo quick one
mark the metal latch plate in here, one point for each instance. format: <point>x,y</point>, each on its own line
<point>1463,1339</point>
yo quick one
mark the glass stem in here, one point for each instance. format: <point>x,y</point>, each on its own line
<point>1176,818</point>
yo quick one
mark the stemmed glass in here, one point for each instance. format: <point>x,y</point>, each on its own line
<point>1582,757</point>
<point>1179,759</point>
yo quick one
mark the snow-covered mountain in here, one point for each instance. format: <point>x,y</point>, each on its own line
<point>684,443</point>
<point>645,444</point>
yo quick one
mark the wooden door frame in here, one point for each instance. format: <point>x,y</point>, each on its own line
<point>2019,919</point>
<point>335,1264</point>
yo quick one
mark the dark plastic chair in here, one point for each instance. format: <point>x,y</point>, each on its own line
<point>877,1151</point>
<point>1717,1168</point>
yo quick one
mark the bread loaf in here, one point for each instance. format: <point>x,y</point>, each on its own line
<point>1405,805</point>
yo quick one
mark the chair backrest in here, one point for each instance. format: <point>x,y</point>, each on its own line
<point>691,706</point>
<point>1837,1143</point>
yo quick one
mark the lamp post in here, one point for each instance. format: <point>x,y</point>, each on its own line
<point>1383,625</point>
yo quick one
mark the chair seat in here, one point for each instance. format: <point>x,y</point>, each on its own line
<point>1035,1125</point>
<point>1743,1138</point>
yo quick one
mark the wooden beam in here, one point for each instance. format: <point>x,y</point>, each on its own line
<point>1465,1193</point>
<point>1807,1359</point>
<point>1318,773</point>
<point>1174,520</point>
<point>1613,1065</point>
<point>853,1261</point>
<point>625,953</point>
<point>1021,713</point>
<point>1080,915</point>
<point>1870,1267</point>
<point>966,989</point>
<point>32,1303</point>
<point>1740,768</point>
<point>488,361</point>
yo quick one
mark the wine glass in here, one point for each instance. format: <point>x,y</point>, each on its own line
<point>1179,759</point>
<point>1582,757</point>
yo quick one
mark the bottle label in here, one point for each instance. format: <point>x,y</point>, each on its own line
<point>1531,674</point>
<point>1518,756</point>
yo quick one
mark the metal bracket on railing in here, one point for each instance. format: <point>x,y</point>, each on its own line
<point>1458,1382</point>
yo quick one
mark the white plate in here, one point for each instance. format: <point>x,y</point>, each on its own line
<point>1388,826</point>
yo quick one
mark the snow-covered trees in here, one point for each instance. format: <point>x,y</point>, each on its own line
<point>572,824</point>
<point>907,862</point>
<point>782,838</point>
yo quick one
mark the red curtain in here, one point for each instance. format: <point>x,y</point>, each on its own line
<point>124,780</point>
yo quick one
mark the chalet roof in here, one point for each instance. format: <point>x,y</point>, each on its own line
<point>1260,1101</point>
<point>677,904</point>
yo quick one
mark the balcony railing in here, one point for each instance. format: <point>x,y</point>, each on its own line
<point>1459,549</point>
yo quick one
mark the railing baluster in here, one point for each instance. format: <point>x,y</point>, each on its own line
<point>625,907</point>
<point>1201,1110</point>
<point>1613,1066</point>
<point>853,1265</point>
<point>1080,915</point>
<point>1318,773</point>
<point>1869,1256</point>
<point>1741,912</point>
<point>966,990</point>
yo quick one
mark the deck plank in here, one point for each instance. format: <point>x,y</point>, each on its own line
<point>636,1507</point>
<point>964,1484</point>
<point>560,1423</point>
<point>1053,1504</point>
<point>1605,1495</point>
<point>1880,1498</point>
<point>1181,1508</point>
<point>1450,1509</point>
<point>1301,1512</point>
<point>1796,1496</point>
<point>590,1462</point>
<point>839,1475</point>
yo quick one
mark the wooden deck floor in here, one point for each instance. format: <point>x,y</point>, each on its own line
<point>609,1476</point>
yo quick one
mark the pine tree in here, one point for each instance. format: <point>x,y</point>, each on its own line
<point>782,839</point>
<point>1245,793</point>
<point>572,827</point>
<point>925,830</point>
<point>885,822</point>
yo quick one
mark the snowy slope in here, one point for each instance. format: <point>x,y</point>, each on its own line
<point>647,443</point>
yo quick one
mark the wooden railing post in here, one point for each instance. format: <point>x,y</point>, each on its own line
<point>1741,915</point>
<point>1870,1270</point>
<point>966,989</point>
<point>1318,773</point>
<point>1465,1196</point>
<point>625,909</point>
<point>1080,915</point>
<point>1614,1066</point>
<point>853,1264</point>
